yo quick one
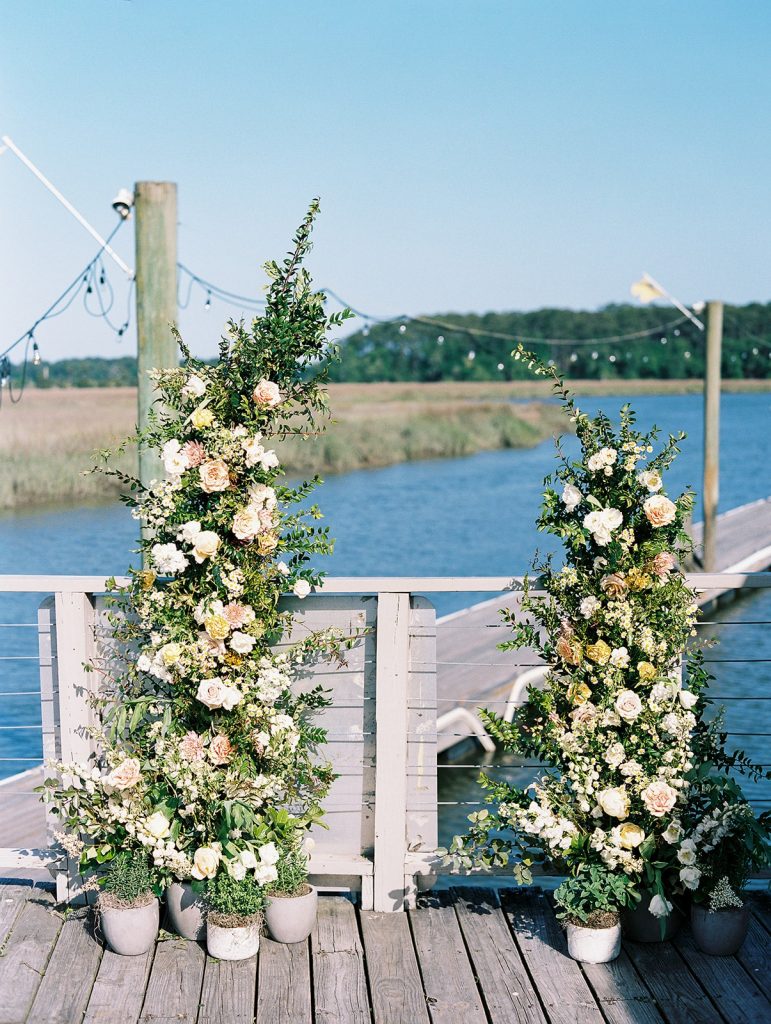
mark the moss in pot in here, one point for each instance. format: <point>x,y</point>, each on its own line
<point>234,917</point>
<point>128,908</point>
<point>589,905</point>
<point>292,901</point>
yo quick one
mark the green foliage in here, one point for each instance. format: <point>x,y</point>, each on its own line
<point>592,892</point>
<point>233,897</point>
<point>292,868</point>
<point>128,876</point>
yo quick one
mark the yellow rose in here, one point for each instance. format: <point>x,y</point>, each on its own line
<point>630,835</point>
<point>267,542</point>
<point>170,654</point>
<point>232,659</point>
<point>579,693</point>
<point>202,418</point>
<point>217,626</point>
<point>646,671</point>
<point>638,580</point>
<point>205,863</point>
<point>146,579</point>
<point>599,652</point>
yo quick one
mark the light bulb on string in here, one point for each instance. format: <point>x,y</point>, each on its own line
<point>440,340</point>
<point>500,366</point>
<point>755,351</point>
<point>472,354</point>
<point>402,328</point>
<point>595,355</point>
<point>36,360</point>
<point>611,359</point>
<point>207,304</point>
<point>663,341</point>
<point>573,357</point>
<point>365,330</point>
<point>687,355</point>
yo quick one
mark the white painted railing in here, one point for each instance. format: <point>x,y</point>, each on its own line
<point>382,809</point>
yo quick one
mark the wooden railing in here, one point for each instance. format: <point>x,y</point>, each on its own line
<point>382,725</point>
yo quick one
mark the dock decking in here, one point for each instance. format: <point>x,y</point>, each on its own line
<point>465,956</point>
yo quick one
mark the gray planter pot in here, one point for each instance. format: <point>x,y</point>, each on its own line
<point>291,918</point>
<point>233,943</point>
<point>594,945</point>
<point>640,925</point>
<point>131,931</point>
<point>719,933</point>
<point>187,911</point>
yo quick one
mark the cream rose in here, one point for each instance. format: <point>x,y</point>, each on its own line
<point>266,393</point>
<point>206,860</point>
<point>659,510</point>
<point>614,585</point>
<point>157,825</point>
<point>125,775</point>
<point>651,479</point>
<point>630,835</point>
<point>571,497</point>
<point>242,643</point>
<point>301,588</point>
<point>628,705</point>
<point>247,523</point>
<point>205,545</point>
<point>659,798</point>
<point>214,476</point>
<point>614,801</point>
<point>170,654</point>
<point>687,699</point>
<point>217,626</point>
<point>211,692</point>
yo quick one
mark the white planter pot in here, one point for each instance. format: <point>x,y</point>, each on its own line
<point>187,911</point>
<point>233,943</point>
<point>130,931</point>
<point>291,918</point>
<point>594,945</point>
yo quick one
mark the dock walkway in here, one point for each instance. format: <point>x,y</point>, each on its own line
<point>465,956</point>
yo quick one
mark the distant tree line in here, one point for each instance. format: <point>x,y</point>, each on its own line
<point>427,352</point>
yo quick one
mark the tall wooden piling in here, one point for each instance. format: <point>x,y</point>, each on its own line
<point>155,204</point>
<point>712,430</point>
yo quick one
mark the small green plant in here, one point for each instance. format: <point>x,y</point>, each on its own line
<point>595,897</point>
<point>234,902</point>
<point>292,868</point>
<point>129,879</point>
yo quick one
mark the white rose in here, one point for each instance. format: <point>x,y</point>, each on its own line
<point>189,531</point>
<point>242,643</point>
<point>157,825</point>
<point>269,853</point>
<point>262,496</point>
<point>615,754</point>
<point>571,497</point>
<point>236,869</point>
<point>589,605</point>
<point>253,450</point>
<point>301,588</point>
<point>628,705</point>
<point>687,699</point>
<point>650,479</point>
<point>673,832</point>
<point>265,873</point>
<point>205,863</point>
<point>248,860</point>
<point>283,568</point>
<point>619,657</point>
<point>659,907</point>
<point>690,877</point>
<point>211,692</point>
<point>194,388</point>
<point>168,559</point>
<point>247,523</point>
<point>230,697</point>
<point>602,523</point>
<point>205,545</point>
<point>174,462</point>
<point>614,801</point>
<point>269,460</point>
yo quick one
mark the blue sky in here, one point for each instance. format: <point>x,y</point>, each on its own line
<point>469,155</point>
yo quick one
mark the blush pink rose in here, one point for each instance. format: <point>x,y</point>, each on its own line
<point>237,615</point>
<point>659,510</point>
<point>663,564</point>
<point>266,394</point>
<point>659,798</point>
<point>214,476</point>
<point>125,775</point>
<point>194,452</point>
<point>220,750</point>
<point>191,747</point>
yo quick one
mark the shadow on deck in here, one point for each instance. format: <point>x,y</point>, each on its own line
<point>467,956</point>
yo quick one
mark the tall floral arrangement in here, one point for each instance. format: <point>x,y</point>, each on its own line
<point>617,722</point>
<point>207,755</point>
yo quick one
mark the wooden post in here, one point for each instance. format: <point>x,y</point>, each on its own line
<point>155,203</point>
<point>393,644</point>
<point>712,431</point>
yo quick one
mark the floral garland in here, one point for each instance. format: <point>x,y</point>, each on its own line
<point>618,731</point>
<point>207,752</point>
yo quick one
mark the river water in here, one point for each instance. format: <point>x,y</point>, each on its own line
<point>451,517</point>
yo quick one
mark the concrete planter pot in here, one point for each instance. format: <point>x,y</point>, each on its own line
<point>187,911</point>
<point>720,932</point>
<point>291,918</point>
<point>225,942</point>
<point>594,945</point>
<point>640,925</point>
<point>130,931</point>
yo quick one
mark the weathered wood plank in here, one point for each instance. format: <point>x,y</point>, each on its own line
<point>119,989</point>
<point>755,956</point>
<point>339,981</point>
<point>69,978</point>
<point>12,899</point>
<point>506,988</point>
<point>392,968</point>
<point>174,987</point>
<point>679,996</point>
<point>734,992</point>
<point>228,991</point>
<point>284,987</point>
<point>448,980</point>
<point>25,955</point>
<point>761,909</point>
<point>563,990</point>
<point>620,993</point>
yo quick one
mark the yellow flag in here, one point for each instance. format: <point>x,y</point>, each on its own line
<point>645,290</point>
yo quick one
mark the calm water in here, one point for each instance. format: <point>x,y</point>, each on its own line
<point>454,517</point>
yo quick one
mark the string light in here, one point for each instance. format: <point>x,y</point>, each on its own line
<point>501,366</point>
<point>440,340</point>
<point>402,328</point>
<point>207,304</point>
<point>35,354</point>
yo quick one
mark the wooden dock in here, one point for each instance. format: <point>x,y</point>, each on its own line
<point>472,672</point>
<point>464,956</point>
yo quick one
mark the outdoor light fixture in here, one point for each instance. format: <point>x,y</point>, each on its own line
<point>123,202</point>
